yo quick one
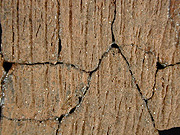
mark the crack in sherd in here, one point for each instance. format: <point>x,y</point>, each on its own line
<point>112,24</point>
<point>160,66</point>
<point>7,66</point>
<point>91,72</point>
<point>137,85</point>
<point>129,68</point>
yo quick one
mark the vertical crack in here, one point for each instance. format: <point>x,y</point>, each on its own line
<point>58,28</point>
<point>112,24</point>
<point>59,47</point>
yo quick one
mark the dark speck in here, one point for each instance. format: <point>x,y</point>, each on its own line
<point>7,66</point>
<point>160,66</point>
<point>114,45</point>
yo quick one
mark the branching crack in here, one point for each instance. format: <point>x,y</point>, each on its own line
<point>7,66</point>
<point>86,89</point>
<point>160,66</point>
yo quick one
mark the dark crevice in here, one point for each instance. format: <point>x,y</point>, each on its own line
<point>149,111</point>
<point>114,45</point>
<point>170,65</point>
<point>59,47</point>
<point>59,119</point>
<point>7,66</point>
<point>99,63</point>
<point>58,28</point>
<point>2,98</point>
<point>39,63</point>
<point>139,90</point>
<point>72,110</point>
<point>172,131</point>
<point>80,99</point>
<point>112,24</point>
<point>57,130</point>
<point>160,66</point>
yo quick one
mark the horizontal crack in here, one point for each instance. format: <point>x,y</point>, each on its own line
<point>46,63</point>
<point>163,66</point>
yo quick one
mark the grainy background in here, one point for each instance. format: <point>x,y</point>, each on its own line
<point>46,82</point>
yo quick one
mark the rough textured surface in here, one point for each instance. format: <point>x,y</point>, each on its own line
<point>30,28</point>
<point>29,127</point>
<point>165,102</point>
<point>112,104</point>
<point>89,67</point>
<point>42,91</point>
<point>86,32</point>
